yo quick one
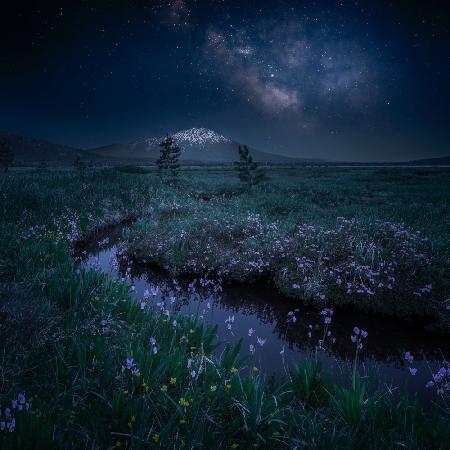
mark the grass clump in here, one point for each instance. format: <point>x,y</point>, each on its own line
<point>132,169</point>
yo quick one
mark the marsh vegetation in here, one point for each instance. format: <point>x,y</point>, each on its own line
<point>89,362</point>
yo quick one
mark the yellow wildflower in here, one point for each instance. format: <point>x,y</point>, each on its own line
<point>228,386</point>
<point>183,402</point>
<point>173,380</point>
<point>255,369</point>
<point>213,388</point>
<point>164,388</point>
<point>155,438</point>
<point>234,370</point>
<point>125,392</point>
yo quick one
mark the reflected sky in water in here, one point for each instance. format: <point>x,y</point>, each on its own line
<point>261,308</point>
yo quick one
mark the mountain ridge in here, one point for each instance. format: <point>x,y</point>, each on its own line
<point>199,145</point>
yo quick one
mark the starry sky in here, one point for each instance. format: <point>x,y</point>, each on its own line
<point>340,80</point>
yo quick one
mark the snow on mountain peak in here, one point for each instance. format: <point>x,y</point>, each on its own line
<point>199,136</point>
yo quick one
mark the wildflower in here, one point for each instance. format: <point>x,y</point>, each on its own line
<point>364,334</point>
<point>255,369</point>
<point>154,290</point>
<point>252,348</point>
<point>130,363</point>
<point>327,320</point>
<point>189,363</point>
<point>261,341</point>
<point>234,445</point>
<point>295,286</point>
<point>155,438</point>
<point>173,380</point>
<point>228,386</point>
<point>155,350</point>
<point>183,402</point>
<point>413,370</point>
<point>174,323</point>
<point>356,330</point>
<point>353,338</point>
<point>164,388</point>
<point>213,388</point>
<point>233,370</point>
<point>193,374</point>
<point>429,384</point>
<point>251,331</point>
<point>409,357</point>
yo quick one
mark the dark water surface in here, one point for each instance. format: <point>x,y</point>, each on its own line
<point>261,308</point>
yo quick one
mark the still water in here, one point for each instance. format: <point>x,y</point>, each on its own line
<point>290,332</point>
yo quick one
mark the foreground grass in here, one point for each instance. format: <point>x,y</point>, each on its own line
<point>101,373</point>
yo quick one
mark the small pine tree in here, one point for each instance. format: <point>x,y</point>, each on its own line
<point>174,164</point>
<point>6,156</point>
<point>42,164</point>
<point>78,164</point>
<point>168,161</point>
<point>249,172</point>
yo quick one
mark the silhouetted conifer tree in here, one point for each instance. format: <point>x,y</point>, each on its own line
<point>249,172</point>
<point>168,161</point>
<point>42,164</point>
<point>6,156</point>
<point>78,164</point>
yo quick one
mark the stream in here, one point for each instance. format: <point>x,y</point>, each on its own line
<point>288,331</point>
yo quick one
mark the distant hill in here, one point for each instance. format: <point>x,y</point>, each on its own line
<point>28,150</point>
<point>199,145</point>
<point>444,161</point>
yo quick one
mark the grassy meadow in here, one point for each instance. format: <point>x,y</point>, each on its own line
<point>84,366</point>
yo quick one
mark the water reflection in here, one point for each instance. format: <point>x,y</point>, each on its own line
<point>291,331</point>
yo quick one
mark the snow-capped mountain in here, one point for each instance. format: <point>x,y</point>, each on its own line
<point>199,136</point>
<point>197,145</point>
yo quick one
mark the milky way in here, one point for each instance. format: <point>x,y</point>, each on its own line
<point>353,80</point>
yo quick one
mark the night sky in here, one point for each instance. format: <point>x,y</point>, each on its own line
<point>345,80</point>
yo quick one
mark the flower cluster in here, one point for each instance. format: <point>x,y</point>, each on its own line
<point>131,367</point>
<point>7,416</point>
<point>358,337</point>
<point>441,380</point>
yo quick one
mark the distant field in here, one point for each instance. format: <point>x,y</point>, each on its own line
<point>75,341</point>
